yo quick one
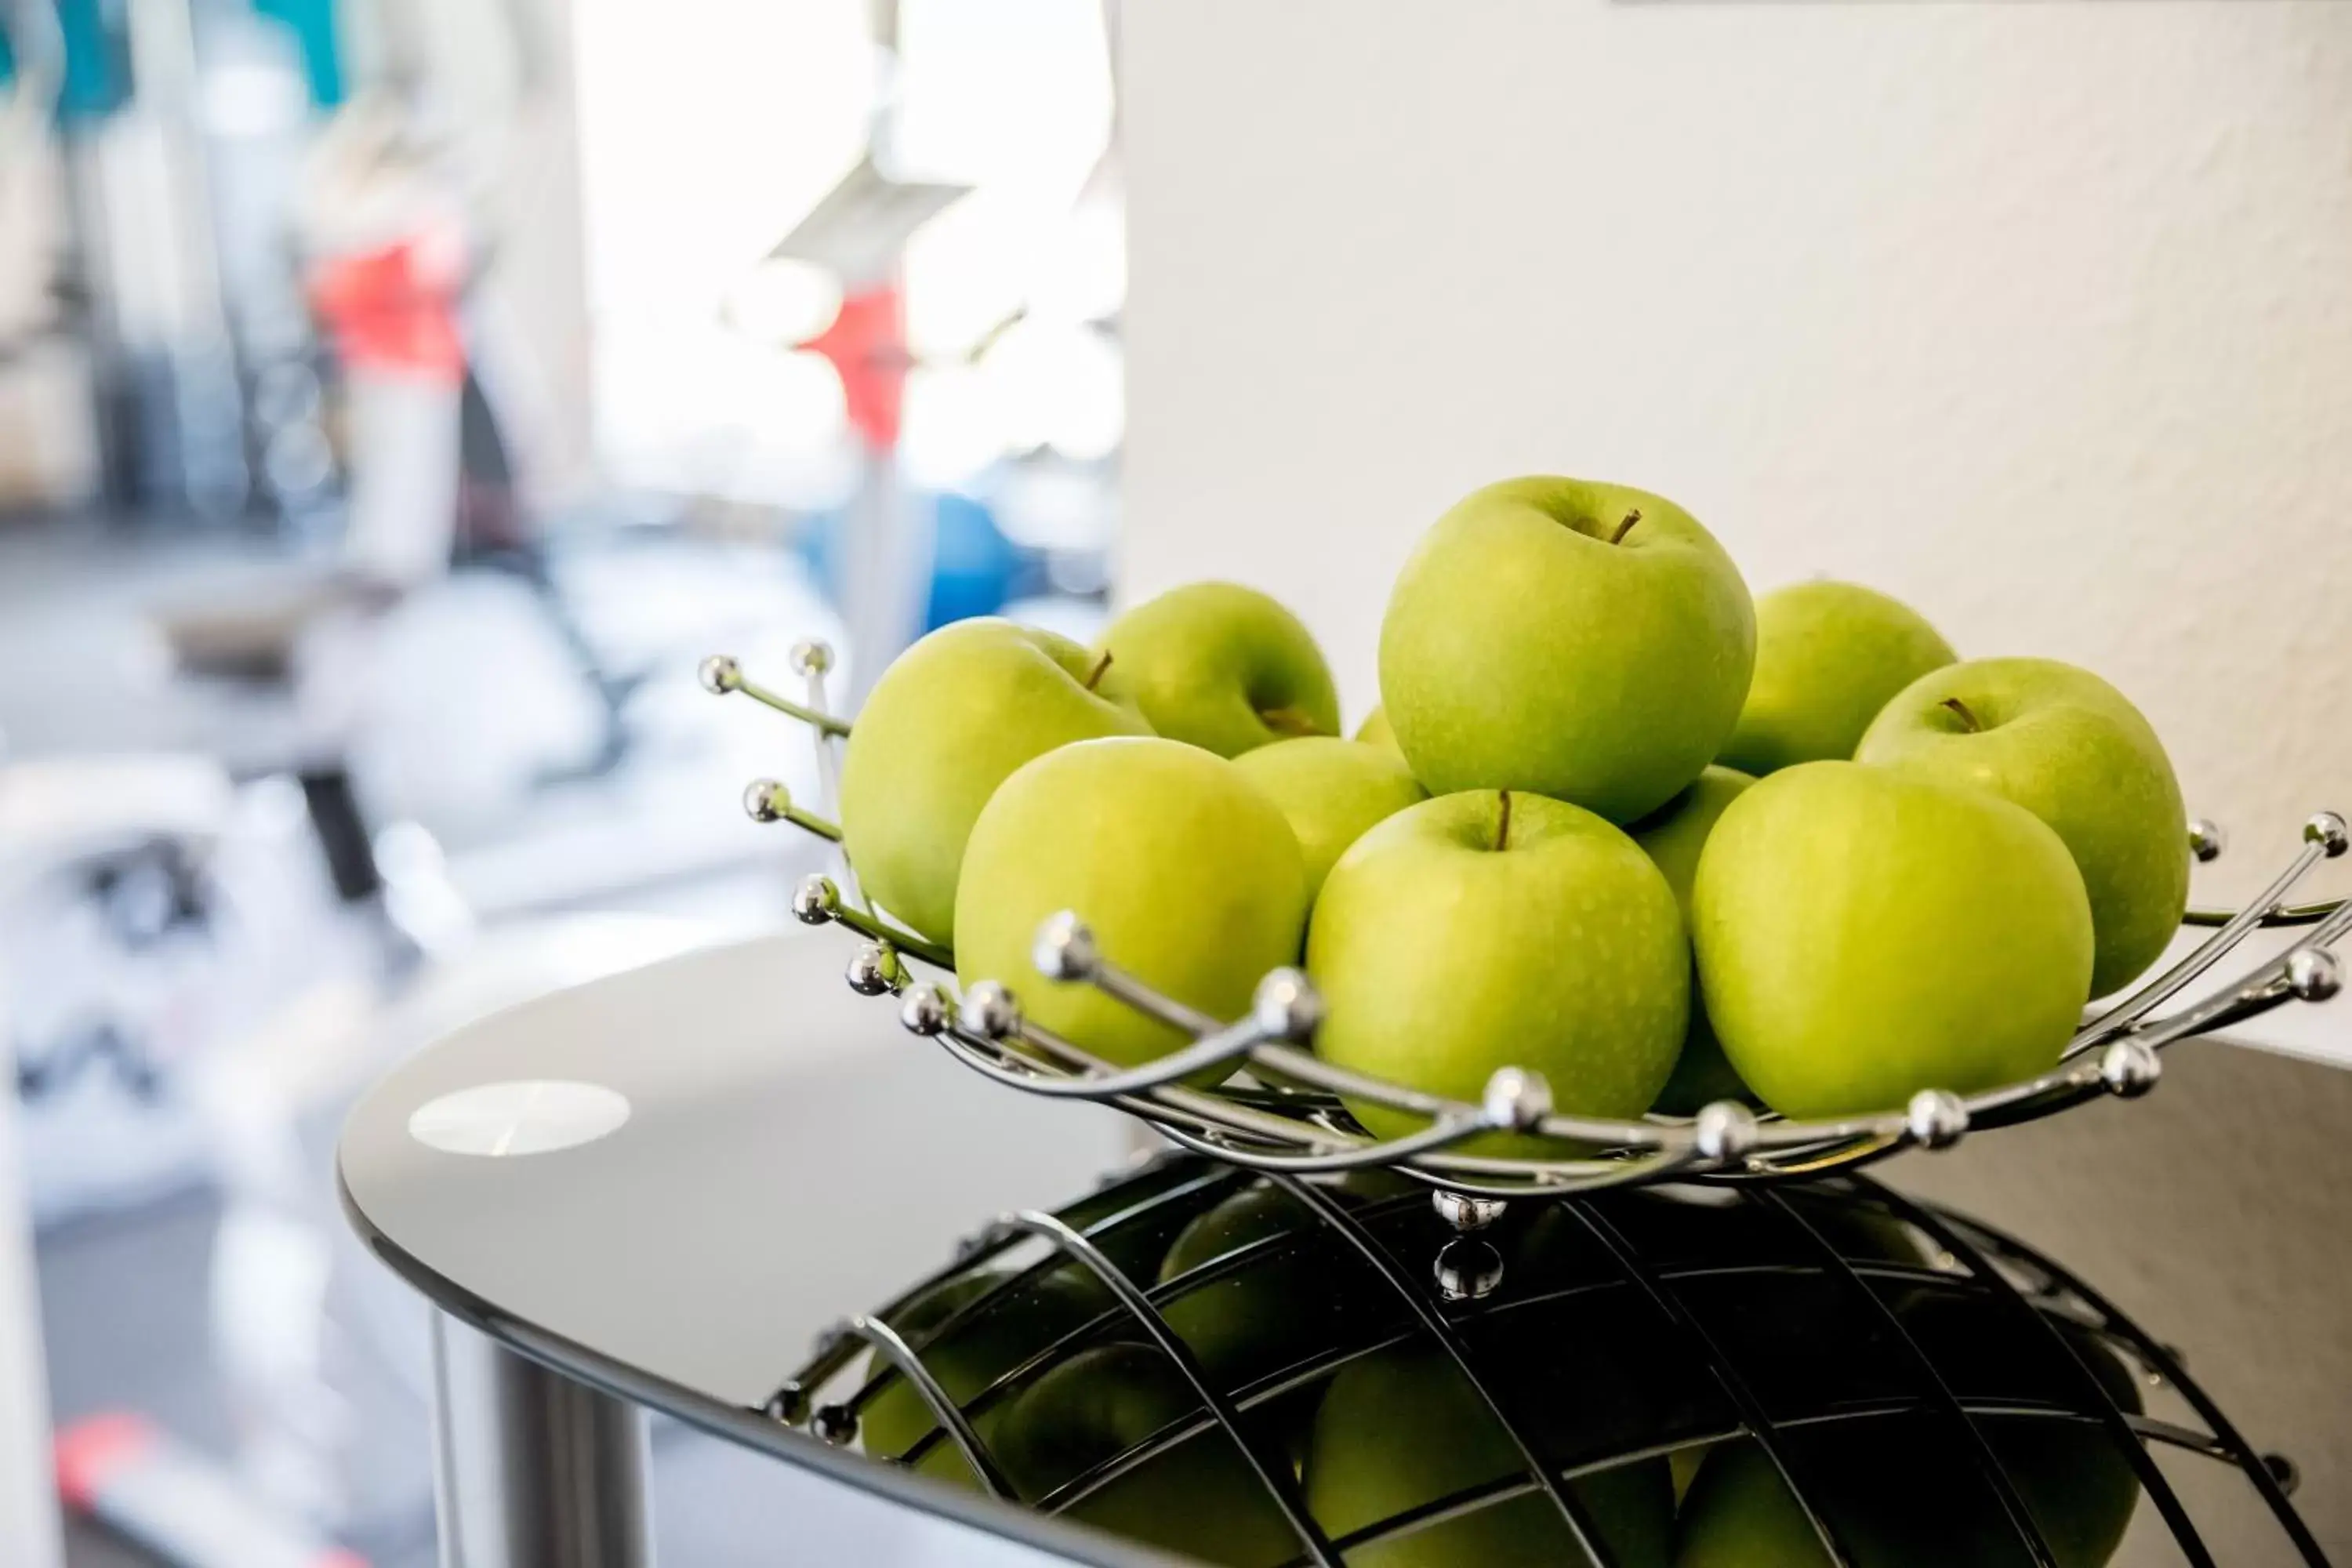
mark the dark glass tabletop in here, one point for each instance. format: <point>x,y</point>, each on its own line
<point>676,1183</point>
<point>762,1154</point>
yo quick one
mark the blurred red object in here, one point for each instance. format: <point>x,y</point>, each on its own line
<point>868,347</point>
<point>394,310</point>
<point>121,1469</point>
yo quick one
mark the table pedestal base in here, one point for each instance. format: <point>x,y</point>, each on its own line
<point>531,1469</point>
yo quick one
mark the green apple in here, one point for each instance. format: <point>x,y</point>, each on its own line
<point>1376,731</point>
<point>1828,656</point>
<point>1587,642</point>
<point>950,719</point>
<point>1200,1498</point>
<point>1222,665</point>
<point>1496,929</point>
<point>1331,790</point>
<point>1864,934</point>
<point>1184,869</point>
<point>1672,837</point>
<point>1401,1428</point>
<point>2072,750</point>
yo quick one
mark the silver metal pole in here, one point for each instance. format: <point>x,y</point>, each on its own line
<point>531,1469</point>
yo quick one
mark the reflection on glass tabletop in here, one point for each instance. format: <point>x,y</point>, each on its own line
<point>716,1186</point>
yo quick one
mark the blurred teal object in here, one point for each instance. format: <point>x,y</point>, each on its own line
<point>975,569</point>
<point>312,23</point>
<point>7,55</point>
<point>96,80</point>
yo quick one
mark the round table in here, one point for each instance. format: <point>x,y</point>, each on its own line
<point>656,1190</point>
<point>653,1191</point>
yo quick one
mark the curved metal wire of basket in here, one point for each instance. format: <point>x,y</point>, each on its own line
<point>1771,1283</point>
<point>1290,1117</point>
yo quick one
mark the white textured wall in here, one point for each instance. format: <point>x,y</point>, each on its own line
<point>2037,315</point>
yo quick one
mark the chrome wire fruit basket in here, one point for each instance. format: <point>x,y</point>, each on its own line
<point>1281,1109</point>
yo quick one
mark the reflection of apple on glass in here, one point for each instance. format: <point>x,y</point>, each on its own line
<point>1389,1442</point>
<point>1898,1496</point>
<point>1403,1428</point>
<point>1200,1497</point>
<point>1002,1326</point>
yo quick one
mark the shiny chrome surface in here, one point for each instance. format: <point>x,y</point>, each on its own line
<point>532,1469</point>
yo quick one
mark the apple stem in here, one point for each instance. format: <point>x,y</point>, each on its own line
<point>1096,674</point>
<point>1289,722</point>
<point>1966,718</point>
<point>1502,822</point>
<point>1626,527</point>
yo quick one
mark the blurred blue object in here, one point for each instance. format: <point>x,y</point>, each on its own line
<point>312,23</point>
<point>975,569</point>
<point>96,77</point>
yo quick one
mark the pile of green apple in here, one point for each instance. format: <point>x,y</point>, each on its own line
<point>1613,822</point>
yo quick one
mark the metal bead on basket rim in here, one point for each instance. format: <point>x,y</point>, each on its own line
<point>812,656</point>
<point>2327,830</point>
<point>1286,1006</point>
<point>925,1010</point>
<point>1466,1212</point>
<point>2206,839</point>
<point>990,1011</point>
<point>1065,948</point>
<point>764,800</point>
<point>1935,1118</point>
<point>1724,1129</point>
<point>1517,1099</point>
<point>835,1424</point>
<point>2313,974</point>
<point>788,1404</point>
<point>816,901</point>
<point>1467,1270</point>
<point>2129,1068</point>
<point>869,970</point>
<point>720,674</point>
